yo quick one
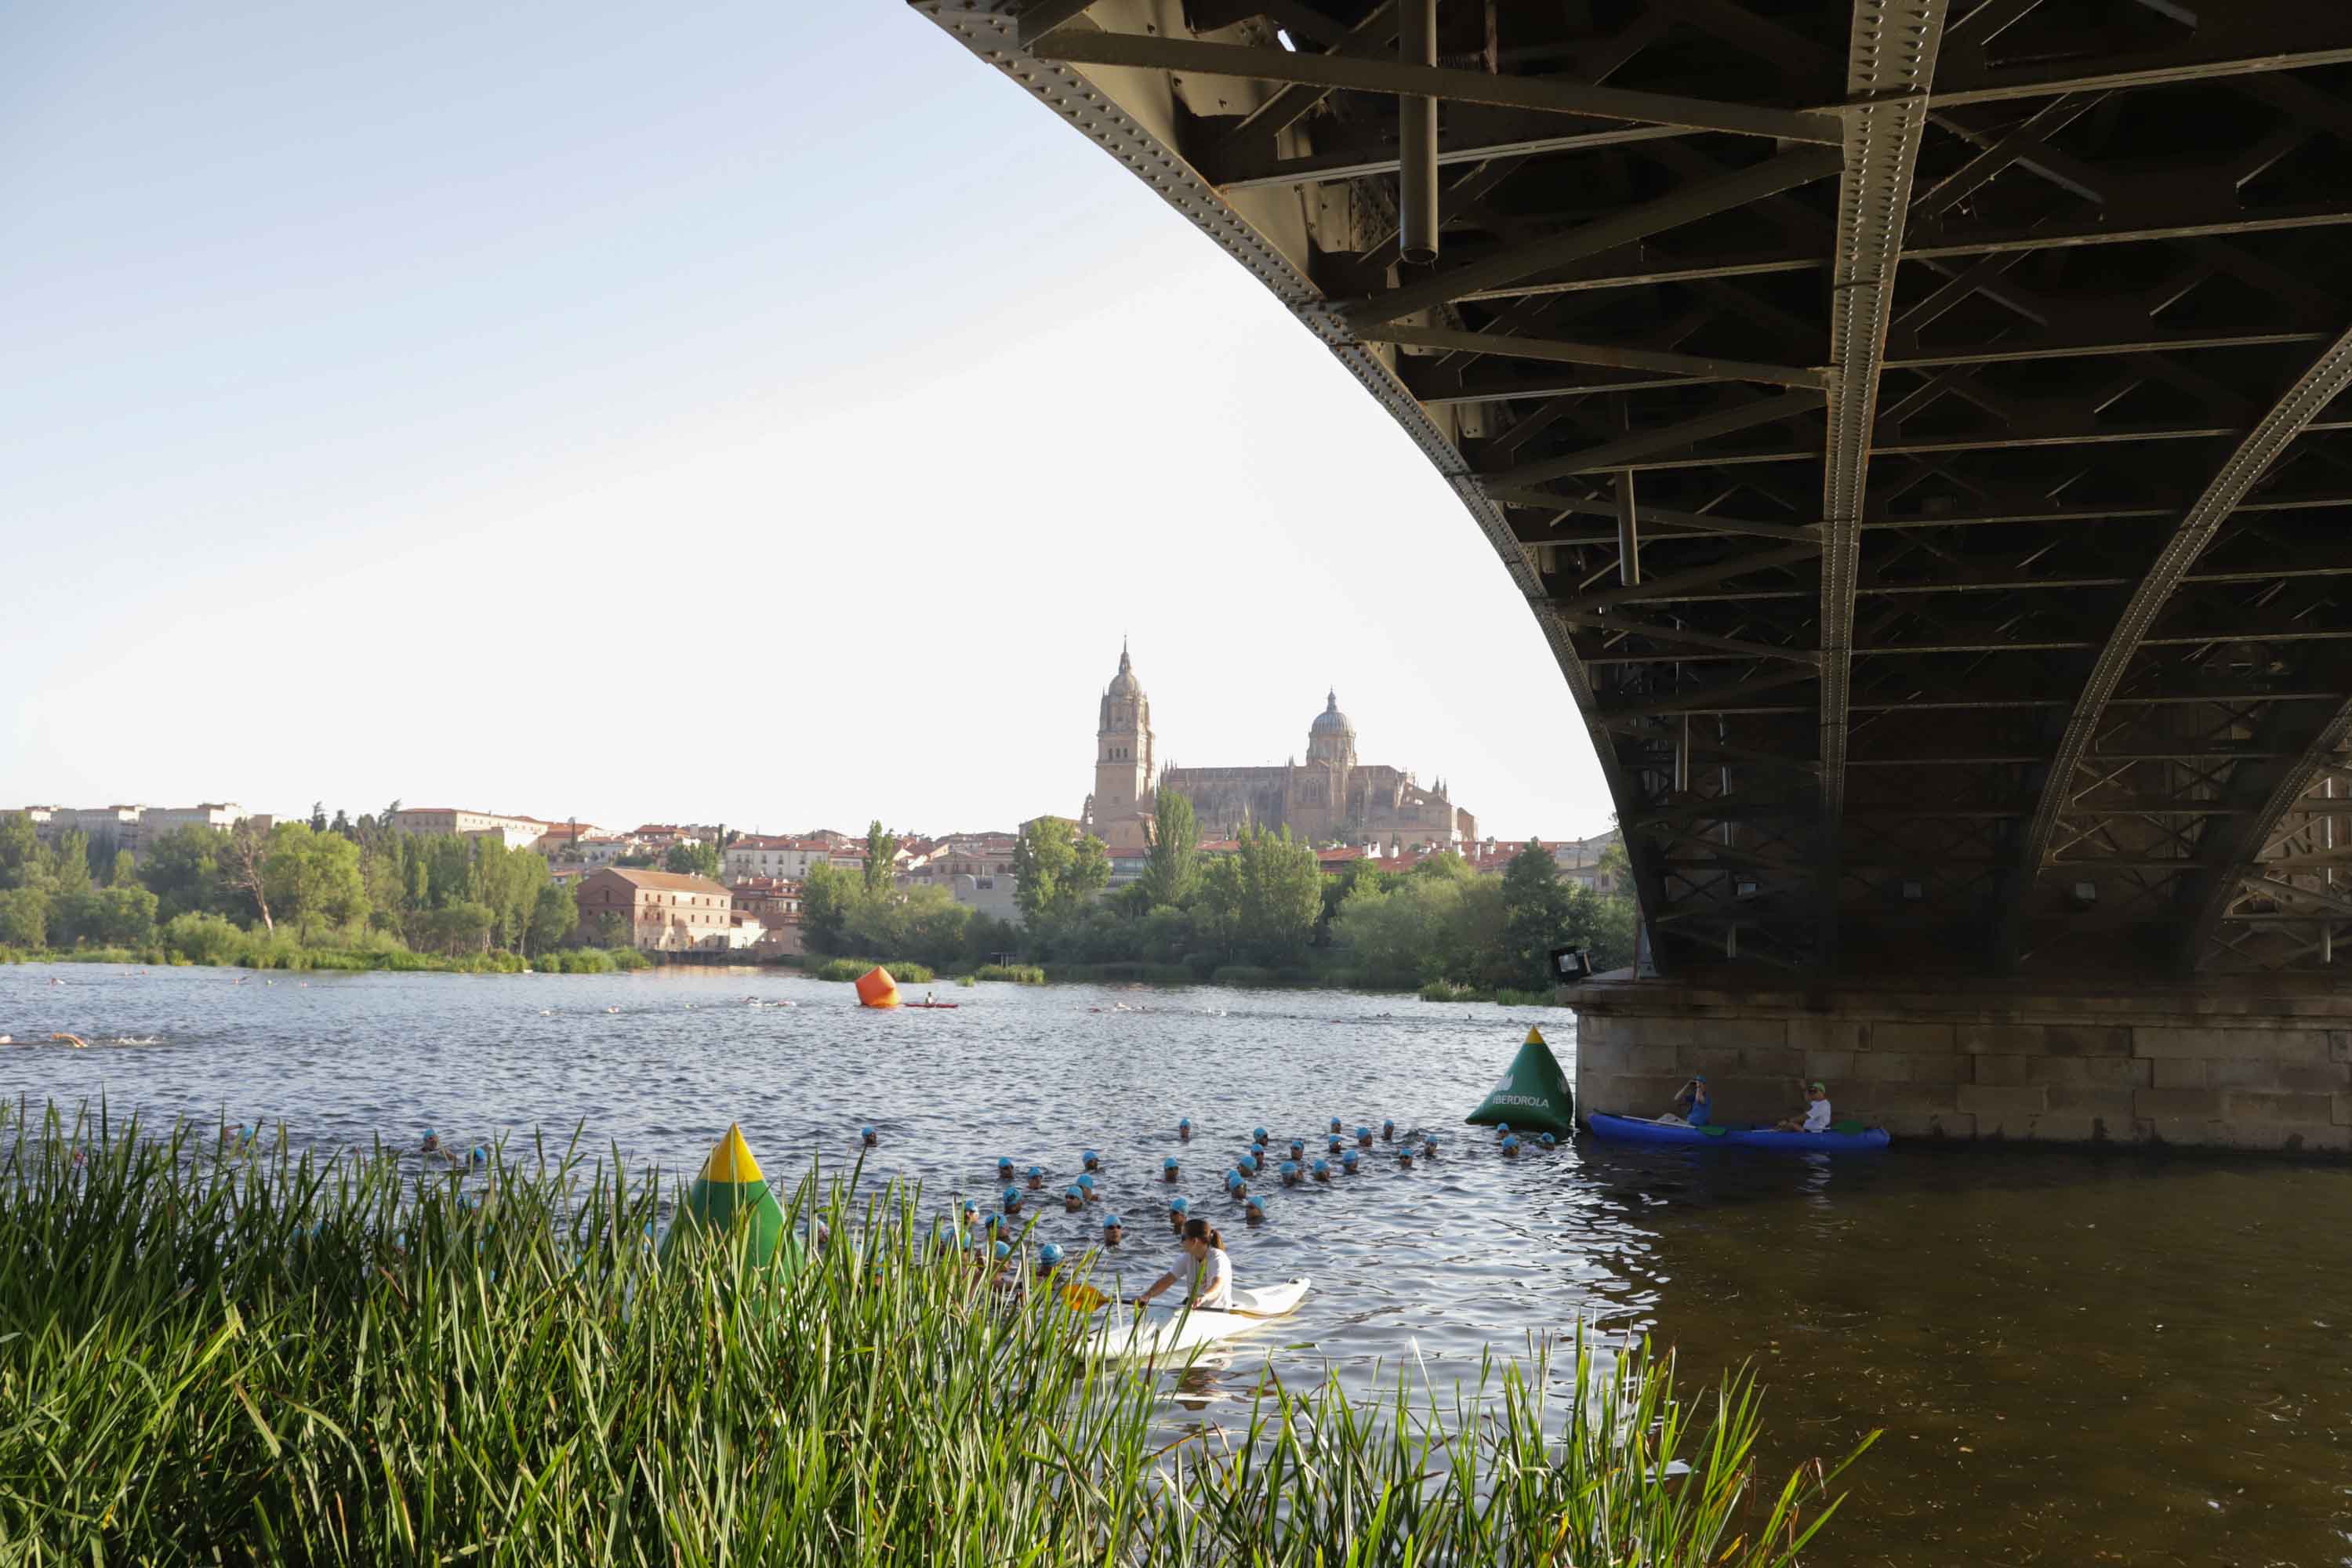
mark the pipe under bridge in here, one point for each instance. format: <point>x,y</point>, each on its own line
<point>1915,426</point>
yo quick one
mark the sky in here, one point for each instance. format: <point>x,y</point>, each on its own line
<point>748,413</point>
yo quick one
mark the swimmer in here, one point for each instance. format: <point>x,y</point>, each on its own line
<point>1086,1185</point>
<point>1073,1200</point>
<point>430,1143</point>
<point>1350,1162</point>
<point>608,1009</point>
<point>1049,1258</point>
<point>1429,1148</point>
<point>1169,1170</point>
<point>1548,1140</point>
<point>1013,1200</point>
<point>1178,1210</point>
<point>1502,1130</point>
<point>1333,1145</point>
<point>1090,1159</point>
<point>1255,1211</point>
<point>1322,1170</point>
<point>1258,1136</point>
<point>1246,1165</point>
<point>1388,1131</point>
<point>1036,1178</point>
<point>1184,1130</point>
<point>867,1136</point>
<point>1288,1170</point>
<point>1335,1125</point>
<point>76,1041</point>
<point>1404,1158</point>
<point>1363,1137</point>
<point>1299,1148</point>
<point>1511,1148</point>
<point>1235,1188</point>
<point>971,1212</point>
<point>1004,1168</point>
<point>1113,1231</point>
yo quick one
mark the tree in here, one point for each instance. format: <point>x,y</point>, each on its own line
<point>318,816</point>
<point>1537,910</point>
<point>554,916</point>
<point>244,856</point>
<point>826,892</point>
<point>1040,861</point>
<point>881,856</point>
<point>1262,902</point>
<point>24,917</point>
<point>342,825</point>
<point>183,870</point>
<point>461,927</point>
<point>1172,874</point>
<point>116,917</point>
<point>68,863</point>
<point>313,879</point>
<point>124,873</point>
<point>20,852</point>
<point>693,860</point>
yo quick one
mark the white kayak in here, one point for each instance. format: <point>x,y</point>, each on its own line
<point>1162,1331</point>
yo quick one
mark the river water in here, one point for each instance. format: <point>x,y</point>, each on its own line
<point>2075,1358</point>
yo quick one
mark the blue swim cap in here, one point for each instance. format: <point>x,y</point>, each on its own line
<point>1363,1133</point>
<point>1502,1130</point>
<point>430,1133</point>
<point>1003,1250</point>
<point>1012,1196</point>
<point>1168,1163</point>
<point>1246,1165</point>
<point>1322,1167</point>
<point>1388,1125</point>
<point>1050,1254</point>
<point>970,1209</point>
<point>1089,1154</point>
<point>865,1132</point>
<point>1086,1183</point>
<point>1335,1143</point>
<point>1257,1134</point>
<point>1184,1122</point>
<point>1256,1202</point>
<point>1037,1170</point>
<point>1290,1167</point>
<point>1348,1159</point>
<point>1178,1205</point>
<point>1548,1140</point>
<point>1510,1145</point>
<point>996,1219</point>
<point>1335,1124</point>
<point>1004,1162</point>
<point>481,1155</point>
<point>1233,1178</point>
<point>1074,1190</point>
<point>1111,1222</point>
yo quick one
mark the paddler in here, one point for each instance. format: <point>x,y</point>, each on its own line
<point>1208,1273</point>
<point>1692,1105</point>
<point>1817,1111</point>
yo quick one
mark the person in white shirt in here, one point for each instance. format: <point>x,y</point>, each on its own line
<point>1817,1112</point>
<point>1204,1265</point>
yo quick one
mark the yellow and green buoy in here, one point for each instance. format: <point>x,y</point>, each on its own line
<point>732,1198</point>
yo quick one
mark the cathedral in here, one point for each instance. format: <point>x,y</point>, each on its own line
<point>1330,798</point>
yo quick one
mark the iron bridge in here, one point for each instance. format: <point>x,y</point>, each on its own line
<point>1915,425</point>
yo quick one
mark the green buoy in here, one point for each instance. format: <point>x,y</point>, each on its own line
<point>1532,1095</point>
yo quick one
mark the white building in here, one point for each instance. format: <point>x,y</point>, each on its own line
<point>759,855</point>
<point>515,832</point>
<point>992,895</point>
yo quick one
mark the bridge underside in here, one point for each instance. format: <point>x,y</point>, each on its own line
<point>1915,424</point>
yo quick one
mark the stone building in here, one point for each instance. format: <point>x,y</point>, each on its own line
<point>1329,796</point>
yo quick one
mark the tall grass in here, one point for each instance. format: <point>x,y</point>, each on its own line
<point>207,1353</point>
<point>1016,973</point>
<point>903,972</point>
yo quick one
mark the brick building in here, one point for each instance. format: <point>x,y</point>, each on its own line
<point>664,911</point>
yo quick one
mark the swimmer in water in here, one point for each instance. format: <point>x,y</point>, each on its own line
<point>1184,1131</point>
<point>1502,1130</point>
<point>1429,1148</point>
<point>1246,1165</point>
<point>1548,1140</point>
<point>1086,1185</point>
<point>1363,1137</point>
<point>1178,1208</point>
<point>1299,1148</point>
<point>1255,1211</point>
<point>1322,1170</point>
<point>1404,1158</point>
<point>430,1143</point>
<point>1169,1170</point>
<point>1258,1136</point>
<point>1036,1178</point>
<point>1004,1168</point>
<point>1350,1162</point>
<point>1511,1148</point>
<point>1013,1200</point>
<point>1335,1126</point>
<point>1237,1189</point>
<point>1113,1231</point>
<point>1090,1159</point>
<point>867,1136</point>
<point>1388,1131</point>
<point>1073,1200</point>
<point>1049,1258</point>
<point>1334,1146</point>
<point>1289,1173</point>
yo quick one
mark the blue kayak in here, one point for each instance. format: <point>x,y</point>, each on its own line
<point>1636,1129</point>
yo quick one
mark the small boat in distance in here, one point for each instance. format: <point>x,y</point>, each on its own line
<point>1843,1137</point>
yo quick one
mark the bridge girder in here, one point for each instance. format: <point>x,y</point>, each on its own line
<point>1914,424</point>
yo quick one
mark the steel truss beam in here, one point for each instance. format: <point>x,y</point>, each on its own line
<point>2224,865</point>
<point>2296,407</point>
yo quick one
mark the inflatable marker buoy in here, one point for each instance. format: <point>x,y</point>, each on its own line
<point>1532,1095</point>
<point>877,989</point>
<point>731,1197</point>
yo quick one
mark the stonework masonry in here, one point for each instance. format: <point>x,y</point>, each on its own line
<point>2258,1065</point>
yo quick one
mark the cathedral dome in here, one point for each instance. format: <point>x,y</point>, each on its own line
<point>1331,722</point>
<point>1124,683</point>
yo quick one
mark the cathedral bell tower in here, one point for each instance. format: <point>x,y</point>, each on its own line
<point>1123,775</point>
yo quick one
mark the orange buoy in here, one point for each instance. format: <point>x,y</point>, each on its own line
<point>877,989</point>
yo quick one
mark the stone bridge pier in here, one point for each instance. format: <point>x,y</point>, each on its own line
<point>2262,1064</point>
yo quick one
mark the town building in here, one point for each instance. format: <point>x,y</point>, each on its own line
<point>134,827</point>
<point>1330,797</point>
<point>760,855</point>
<point>663,911</point>
<point>514,832</point>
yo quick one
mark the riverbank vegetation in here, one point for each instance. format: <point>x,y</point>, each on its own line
<point>211,1351</point>
<point>1263,914</point>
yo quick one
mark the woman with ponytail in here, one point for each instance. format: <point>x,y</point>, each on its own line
<point>1208,1271</point>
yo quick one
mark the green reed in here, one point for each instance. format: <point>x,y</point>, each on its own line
<point>222,1352</point>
